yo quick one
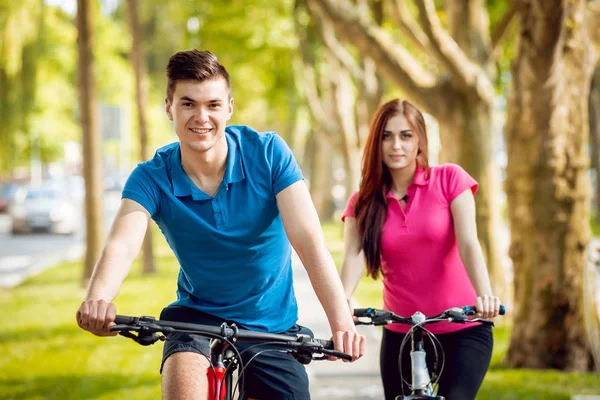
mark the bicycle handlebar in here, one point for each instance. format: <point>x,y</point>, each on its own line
<point>149,327</point>
<point>455,314</point>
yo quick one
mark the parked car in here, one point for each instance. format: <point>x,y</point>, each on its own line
<point>7,192</point>
<point>42,208</point>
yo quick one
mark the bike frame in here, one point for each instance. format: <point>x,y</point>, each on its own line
<point>219,381</point>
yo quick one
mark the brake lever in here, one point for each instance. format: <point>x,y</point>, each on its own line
<point>378,321</point>
<point>128,334</point>
<point>127,328</point>
<point>456,314</point>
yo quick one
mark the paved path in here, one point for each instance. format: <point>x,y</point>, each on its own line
<point>337,380</point>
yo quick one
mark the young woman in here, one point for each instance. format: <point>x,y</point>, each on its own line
<point>415,225</point>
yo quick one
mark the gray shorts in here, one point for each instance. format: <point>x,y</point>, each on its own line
<point>270,375</point>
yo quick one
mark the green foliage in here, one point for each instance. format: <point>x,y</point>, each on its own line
<point>38,101</point>
<point>19,38</point>
<point>255,40</point>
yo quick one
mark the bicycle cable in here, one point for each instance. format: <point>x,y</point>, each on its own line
<point>436,372</point>
<point>433,340</point>
<point>242,367</point>
<point>255,355</point>
<point>242,370</point>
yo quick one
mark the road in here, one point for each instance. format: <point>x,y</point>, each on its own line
<point>24,255</point>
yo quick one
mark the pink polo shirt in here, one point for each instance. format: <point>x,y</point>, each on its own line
<point>422,269</point>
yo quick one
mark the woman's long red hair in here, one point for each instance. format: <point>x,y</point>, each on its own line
<point>371,205</point>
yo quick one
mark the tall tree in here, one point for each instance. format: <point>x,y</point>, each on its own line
<point>547,187</point>
<point>459,91</point>
<point>20,40</point>
<point>92,143</point>
<point>141,94</point>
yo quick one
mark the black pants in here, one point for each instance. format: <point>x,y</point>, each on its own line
<point>468,354</point>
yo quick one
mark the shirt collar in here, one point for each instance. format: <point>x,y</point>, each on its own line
<point>421,178</point>
<point>235,165</point>
<point>183,185</point>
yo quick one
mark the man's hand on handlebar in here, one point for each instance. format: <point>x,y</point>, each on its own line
<point>97,316</point>
<point>349,342</point>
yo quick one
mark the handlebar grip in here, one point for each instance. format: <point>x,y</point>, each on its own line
<point>125,320</point>
<point>472,310</point>
<point>329,346</point>
<point>362,312</point>
<point>339,354</point>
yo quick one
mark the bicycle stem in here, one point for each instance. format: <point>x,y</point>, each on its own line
<point>420,373</point>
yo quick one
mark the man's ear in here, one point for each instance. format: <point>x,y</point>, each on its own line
<point>168,108</point>
<point>230,109</point>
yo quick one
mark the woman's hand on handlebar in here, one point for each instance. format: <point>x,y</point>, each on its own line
<point>97,316</point>
<point>487,306</point>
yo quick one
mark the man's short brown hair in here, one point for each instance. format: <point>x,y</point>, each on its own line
<point>194,65</point>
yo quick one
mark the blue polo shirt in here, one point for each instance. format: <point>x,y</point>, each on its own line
<point>234,255</point>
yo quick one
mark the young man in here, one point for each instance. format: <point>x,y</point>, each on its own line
<point>227,200</point>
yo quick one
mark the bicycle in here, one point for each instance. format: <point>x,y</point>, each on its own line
<point>225,358</point>
<point>422,385</point>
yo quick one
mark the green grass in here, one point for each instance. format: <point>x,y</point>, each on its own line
<point>45,356</point>
<point>595,227</point>
<point>368,293</point>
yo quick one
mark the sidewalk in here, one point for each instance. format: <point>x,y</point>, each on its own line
<point>336,380</point>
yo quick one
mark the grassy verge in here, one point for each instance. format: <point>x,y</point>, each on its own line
<point>368,293</point>
<point>45,355</point>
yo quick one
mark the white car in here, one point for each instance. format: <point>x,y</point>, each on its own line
<point>42,208</point>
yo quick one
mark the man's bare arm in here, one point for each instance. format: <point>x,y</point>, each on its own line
<point>304,231</point>
<point>96,314</point>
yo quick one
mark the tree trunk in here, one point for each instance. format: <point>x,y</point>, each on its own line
<point>548,188</point>
<point>595,139</point>
<point>141,94</point>
<point>321,175</point>
<point>92,143</point>
<point>468,137</point>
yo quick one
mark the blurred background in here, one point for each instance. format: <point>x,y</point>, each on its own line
<point>510,89</point>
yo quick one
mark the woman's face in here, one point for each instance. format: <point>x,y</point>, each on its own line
<point>399,145</point>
